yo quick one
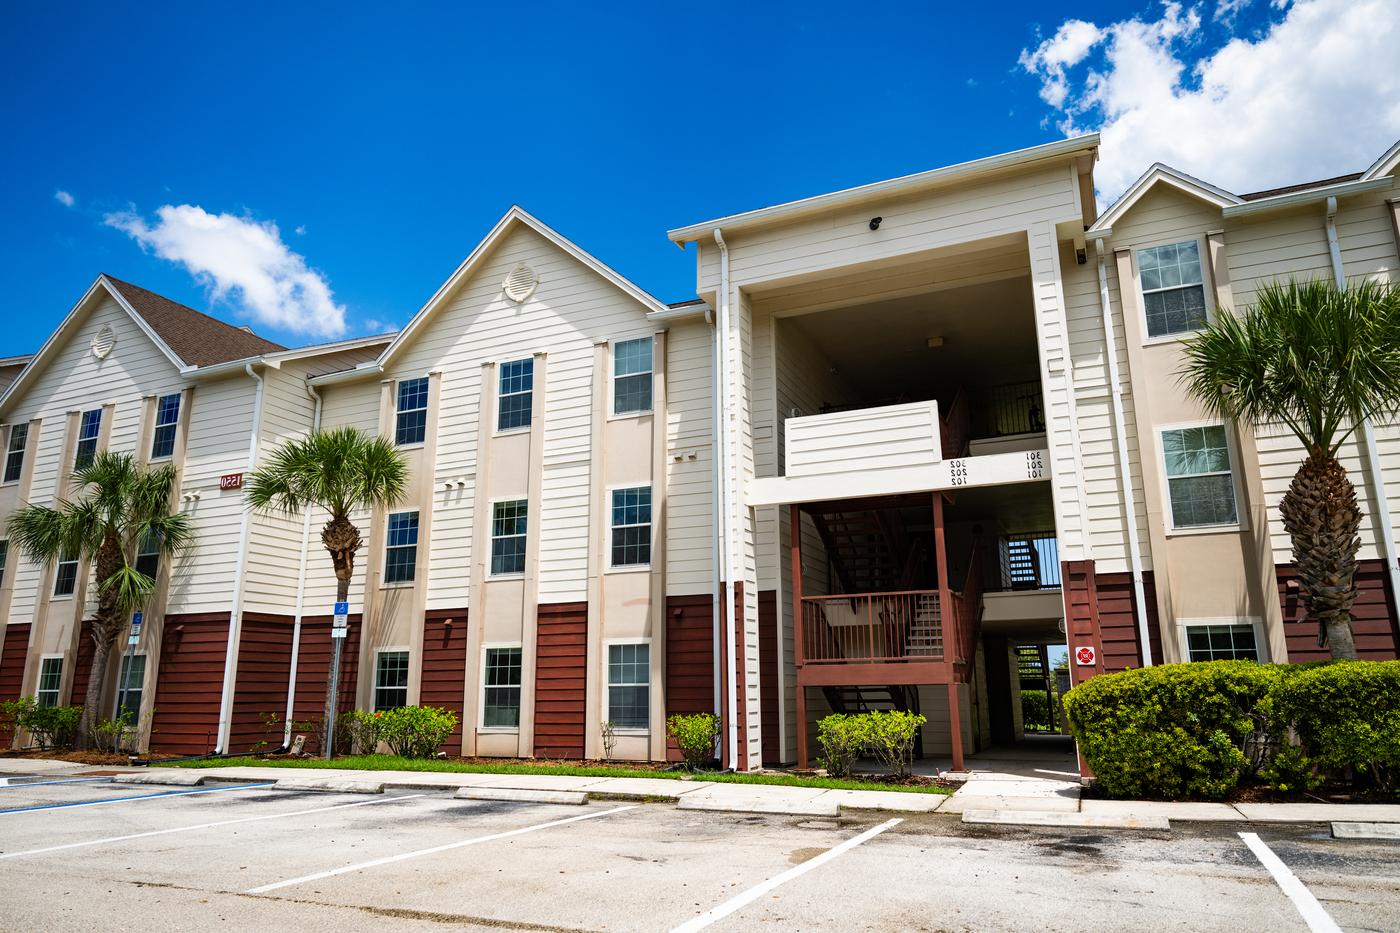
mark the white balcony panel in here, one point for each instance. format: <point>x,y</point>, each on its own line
<point>991,470</point>
<point>863,440</point>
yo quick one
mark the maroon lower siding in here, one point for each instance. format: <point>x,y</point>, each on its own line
<point>82,667</point>
<point>260,682</point>
<point>690,659</point>
<point>13,654</point>
<point>445,667</point>
<point>561,674</point>
<point>1372,620</point>
<point>313,670</point>
<point>189,683</point>
<point>768,675</point>
<point>1101,613</point>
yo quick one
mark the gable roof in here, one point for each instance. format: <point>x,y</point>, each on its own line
<point>516,216</point>
<point>1160,173</point>
<point>1303,186</point>
<point>193,336</point>
<point>1387,163</point>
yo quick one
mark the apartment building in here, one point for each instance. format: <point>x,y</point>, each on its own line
<point>905,433</point>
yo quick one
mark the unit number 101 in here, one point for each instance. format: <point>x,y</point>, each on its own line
<point>1035,465</point>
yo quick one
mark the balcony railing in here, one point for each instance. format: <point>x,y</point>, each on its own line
<point>1015,408</point>
<point>1026,561</point>
<point>905,626</point>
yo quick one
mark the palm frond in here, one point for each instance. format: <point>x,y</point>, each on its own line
<point>128,588</point>
<point>340,470</point>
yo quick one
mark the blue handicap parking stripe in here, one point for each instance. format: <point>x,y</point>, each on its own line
<point>168,793</point>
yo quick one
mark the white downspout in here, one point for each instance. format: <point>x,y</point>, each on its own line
<point>1368,435</point>
<point>718,553</point>
<point>301,590</point>
<point>722,397</point>
<point>235,618</point>
<point>1125,479</point>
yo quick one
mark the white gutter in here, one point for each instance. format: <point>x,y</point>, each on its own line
<point>1296,198</point>
<point>301,593</point>
<point>1368,434</point>
<point>725,532</point>
<point>235,618</point>
<point>1125,479</point>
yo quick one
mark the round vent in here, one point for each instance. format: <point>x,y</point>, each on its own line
<point>103,342</point>
<point>521,282</point>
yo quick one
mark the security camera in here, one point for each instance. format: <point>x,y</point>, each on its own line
<point>875,223</point>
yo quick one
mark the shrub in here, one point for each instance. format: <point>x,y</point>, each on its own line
<point>415,731</point>
<point>113,733</point>
<point>363,731</point>
<point>1347,716</point>
<point>48,726</point>
<point>1035,711</point>
<point>1176,730</point>
<point>843,738</point>
<point>891,738</point>
<point>695,736</point>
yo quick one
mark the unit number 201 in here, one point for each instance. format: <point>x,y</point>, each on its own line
<point>1035,465</point>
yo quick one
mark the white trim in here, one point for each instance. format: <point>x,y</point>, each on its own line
<point>427,406</point>
<point>607,683</point>
<point>1170,528</point>
<point>847,197</point>
<point>491,504</point>
<point>1387,163</point>
<point>63,672</point>
<point>117,693</point>
<point>481,727</point>
<point>1207,288</point>
<point>1261,641</point>
<point>497,395</point>
<point>651,525</point>
<point>385,582</point>
<point>612,413</point>
<point>1308,196</point>
<point>374,684</point>
<point>1165,174</point>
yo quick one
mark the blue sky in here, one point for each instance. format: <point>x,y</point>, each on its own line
<point>382,148</point>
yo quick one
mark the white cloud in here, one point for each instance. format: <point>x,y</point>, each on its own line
<point>64,198</point>
<point>301,230</point>
<point>240,255</point>
<point>1066,48</point>
<point>1317,93</point>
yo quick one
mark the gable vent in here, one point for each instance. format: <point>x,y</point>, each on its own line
<point>521,282</point>
<point>103,342</point>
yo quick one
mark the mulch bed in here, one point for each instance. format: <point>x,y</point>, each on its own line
<point>1259,793</point>
<point>81,758</point>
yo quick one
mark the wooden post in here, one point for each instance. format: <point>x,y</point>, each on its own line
<point>795,549</point>
<point>947,619</point>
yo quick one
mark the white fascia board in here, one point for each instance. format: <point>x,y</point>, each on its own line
<point>881,189</point>
<point>989,470</point>
<point>319,349</point>
<point>516,215</point>
<point>363,371</point>
<point>1296,198</point>
<point>1164,174</point>
<point>684,313</point>
<point>21,360</point>
<point>1385,165</point>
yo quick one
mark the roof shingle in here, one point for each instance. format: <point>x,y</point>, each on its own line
<point>195,337</point>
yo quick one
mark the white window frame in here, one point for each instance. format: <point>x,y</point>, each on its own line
<point>481,726</point>
<point>173,425</point>
<point>96,438</point>
<point>384,581</point>
<point>54,595</point>
<point>23,452</point>
<point>427,399</point>
<point>491,538</point>
<point>1261,643</point>
<point>374,689</point>
<point>39,679</point>
<point>613,413</point>
<point>497,430</point>
<point>1241,522</point>
<point>608,644</point>
<point>630,568</point>
<point>1207,286</point>
<point>140,543</point>
<point>117,694</point>
<point>4,559</point>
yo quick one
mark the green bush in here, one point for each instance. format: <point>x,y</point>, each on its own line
<point>414,731</point>
<point>1035,711</point>
<point>843,738</point>
<point>48,726</point>
<point>695,736</point>
<point>1176,730</point>
<point>1347,717</point>
<point>114,734</point>
<point>891,738</point>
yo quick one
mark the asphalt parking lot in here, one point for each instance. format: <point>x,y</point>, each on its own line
<point>87,854</point>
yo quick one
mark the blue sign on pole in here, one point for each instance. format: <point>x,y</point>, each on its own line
<point>342,609</point>
<point>136,618</point>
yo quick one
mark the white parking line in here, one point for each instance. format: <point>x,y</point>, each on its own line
<point>754,893</point>
<point>1314,916</point>
<point>107,800</point>
<point>186,829</point>
<point>475,840</point>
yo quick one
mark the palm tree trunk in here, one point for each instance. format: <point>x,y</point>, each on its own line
<point>341,539</point>
<point>1321,515</point>
<point>92,700</point>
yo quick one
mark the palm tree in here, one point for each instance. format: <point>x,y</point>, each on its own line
<point>120,506</point>
<point>342,471</point>
<point>1319,359</point>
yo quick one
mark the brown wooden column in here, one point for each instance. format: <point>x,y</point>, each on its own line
<point>947,615</point>
<point>795,548</point>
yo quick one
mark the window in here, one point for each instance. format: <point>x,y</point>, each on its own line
<point>167,418</point>
<point>500,708</point>
<point>632,376</point>
<point>411,422</point>
<point>133,678</point>
<point>148,554</point>
<point>14,452</point>
<point>631,527</point>
<point>517,395</point>
<point>65,578</point>
<point>88,428</point>
<point>629,686</point>
<point>391,680</point>
<point>1173,289</point>
<point>1201,487</point>
<point>508,522</point>
<point>1225,642</point>
<point>4,559</point>
<point>401,552</point>
<point>50,679</point>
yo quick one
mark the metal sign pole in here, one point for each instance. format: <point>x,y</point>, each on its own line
<point>339,623</point>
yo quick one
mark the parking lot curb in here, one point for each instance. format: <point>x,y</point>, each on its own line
<point>330,786</point>
<point>168,776</point>
<point>1063,819</point>
<point>1348,830</point>
<point>513,795</point>
<point>758,805</point>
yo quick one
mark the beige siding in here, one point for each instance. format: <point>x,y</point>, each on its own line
<point>690,447</point>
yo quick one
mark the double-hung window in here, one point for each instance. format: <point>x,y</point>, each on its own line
<point>1221,642</point>
<point>4,559</point>
<point>390,680</point>
<point>65,577</point>
<point>89,427</point>
<point>516,398</point>
<point>50,679</point>
<point>1173,288</point>
<point>401,550</point>
<point>148,554</point>
<point>411,419</point>
<point>632,376</point>
<point>14,452</point>
<point>508,536</point>
<point>129,686</point>
<point>631,527</point>
<point>1200,482</point>
<point>500,706</point>
<point>629,686</point>
<point>167,419</point>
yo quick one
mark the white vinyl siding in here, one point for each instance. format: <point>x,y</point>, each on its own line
<point>689,415</point>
